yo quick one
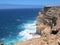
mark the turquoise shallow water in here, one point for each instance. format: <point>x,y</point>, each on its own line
<point>17,24</point>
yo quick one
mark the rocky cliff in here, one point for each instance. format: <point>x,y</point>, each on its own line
<point>48,26</point>
<point>49,17</point>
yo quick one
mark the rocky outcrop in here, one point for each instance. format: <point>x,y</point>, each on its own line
<point>48,22</point>
<point>1,44</point>
<point>48,26</point>
<point>48,19</point>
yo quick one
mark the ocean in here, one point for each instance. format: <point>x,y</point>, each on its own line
<point>16,25</point>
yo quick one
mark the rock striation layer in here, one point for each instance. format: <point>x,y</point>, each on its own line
<point>48,26</point>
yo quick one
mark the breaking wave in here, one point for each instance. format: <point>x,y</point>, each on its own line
<point>29,32</point>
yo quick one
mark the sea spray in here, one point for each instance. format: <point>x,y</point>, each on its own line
<point>29,32</point>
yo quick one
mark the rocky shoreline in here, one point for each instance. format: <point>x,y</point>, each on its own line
<point>47,26</point>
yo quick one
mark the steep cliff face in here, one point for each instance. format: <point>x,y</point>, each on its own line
<point>48,26</point>
<point>48,19</point>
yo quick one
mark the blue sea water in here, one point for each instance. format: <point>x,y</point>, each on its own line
<point>17,24</point>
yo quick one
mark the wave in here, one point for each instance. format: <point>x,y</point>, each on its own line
<point>29,32</point>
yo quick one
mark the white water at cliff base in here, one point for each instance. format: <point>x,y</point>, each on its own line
<point>29,32</point>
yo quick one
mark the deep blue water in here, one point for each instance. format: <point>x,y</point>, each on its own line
<point>12,22</point>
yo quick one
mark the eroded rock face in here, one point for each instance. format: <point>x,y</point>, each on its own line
<point>48,19</point>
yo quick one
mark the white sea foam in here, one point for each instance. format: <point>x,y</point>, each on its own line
<point>29,32</point>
